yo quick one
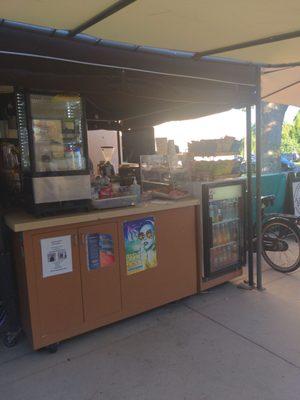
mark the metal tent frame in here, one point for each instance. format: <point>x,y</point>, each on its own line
<point>169,56</point>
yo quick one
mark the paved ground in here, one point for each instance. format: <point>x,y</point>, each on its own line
<point>224,344</point>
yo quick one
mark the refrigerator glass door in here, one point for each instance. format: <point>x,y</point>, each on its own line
<point>58,137</point>
<point>224,212</point>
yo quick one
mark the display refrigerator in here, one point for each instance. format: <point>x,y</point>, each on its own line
<point>223,213</point>
<point>54,155</point>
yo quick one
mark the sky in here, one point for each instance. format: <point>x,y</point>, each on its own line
<point>231,123</point>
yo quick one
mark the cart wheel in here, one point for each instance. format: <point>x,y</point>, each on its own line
<point>52,348</point>
<point>11,339</point>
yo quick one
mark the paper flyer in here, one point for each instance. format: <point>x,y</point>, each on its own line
<point>100,250</point>
<point>56,255</point>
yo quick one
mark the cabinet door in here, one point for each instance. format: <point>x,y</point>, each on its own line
<point>100,272</point>
<point>58,281</point>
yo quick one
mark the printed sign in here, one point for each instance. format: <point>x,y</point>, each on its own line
<point>296,198</point>
<point>140,245</point>
<point>100,250</point>
<point>56,255</point>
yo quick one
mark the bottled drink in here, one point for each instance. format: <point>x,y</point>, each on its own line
<point>234,232</point>
<point>231,211</point>
<point>214,232</point>
<point>221,234</point>
<point>222,256</point>
<point>220,214</point>
<point>224,210</point>
<point>229,254</point>
<point>235,209</point>
<point>231,231</point>
<point>212,258</point>
<point>211,212</point>
<point>235,255</point>
<point>216,259</point>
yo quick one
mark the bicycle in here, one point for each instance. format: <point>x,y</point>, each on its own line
<point>280,239</point>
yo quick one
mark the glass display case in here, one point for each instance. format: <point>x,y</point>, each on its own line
<point>57,133</point>
<point>54,154</point>
<point>164,176</point>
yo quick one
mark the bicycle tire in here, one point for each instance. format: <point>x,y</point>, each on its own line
<point>294,230</point>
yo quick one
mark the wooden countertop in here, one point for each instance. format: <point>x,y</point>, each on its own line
<point>20,221</point>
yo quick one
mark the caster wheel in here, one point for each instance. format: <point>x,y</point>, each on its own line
<point>10,339</point>
<point>52,348</point>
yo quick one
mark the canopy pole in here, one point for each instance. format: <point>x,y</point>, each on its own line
<point>249,198</point>
<point>258,183</point>
<point>112,9</point>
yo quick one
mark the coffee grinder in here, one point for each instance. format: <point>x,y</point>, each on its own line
<point>106,169</point>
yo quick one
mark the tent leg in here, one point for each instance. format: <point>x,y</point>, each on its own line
<point>249,198</point>
<point>258,185</point>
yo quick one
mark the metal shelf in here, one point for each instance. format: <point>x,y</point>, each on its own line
<point>226,221</point>
<point>224,244</point>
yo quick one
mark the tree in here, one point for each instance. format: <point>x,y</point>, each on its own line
<point>272,121</point>
<point>290,141</point>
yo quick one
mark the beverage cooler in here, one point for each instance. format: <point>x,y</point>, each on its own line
<point>54,156</point>
<point>223,227</point>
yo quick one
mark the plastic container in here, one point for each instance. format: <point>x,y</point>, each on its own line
<point>135,189</point>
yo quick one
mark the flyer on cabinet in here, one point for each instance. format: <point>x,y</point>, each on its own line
<point>56,255</point>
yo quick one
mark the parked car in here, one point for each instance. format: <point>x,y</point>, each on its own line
<point>286,164</point>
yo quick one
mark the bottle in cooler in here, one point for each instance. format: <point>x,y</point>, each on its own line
<point>235,254</point>
<point>224,235</point>
<point>212,258</point>
<point>211,212</point>
<point>234,231</point>
<point>235,209</point>
<point>216,259</point>
<point>218,235</point>
<point>219,213</point>
<point>228,235</point>
<point>229,254</point>
<point>223,255</point>
<point>214,232</point>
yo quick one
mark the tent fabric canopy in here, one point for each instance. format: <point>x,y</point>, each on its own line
<point>139,89</point>
<point>281,85</point>
<point>193,25</point>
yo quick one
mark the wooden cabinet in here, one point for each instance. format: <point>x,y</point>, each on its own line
<point>175,275</point>
<point>58,298</point>
<point>91,294</point>
<point>101,289</point>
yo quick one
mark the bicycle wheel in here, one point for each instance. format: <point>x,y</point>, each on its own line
<point>281,244</point>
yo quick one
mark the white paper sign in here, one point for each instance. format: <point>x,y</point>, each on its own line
<point>56,255</point>
<point>296,198</point>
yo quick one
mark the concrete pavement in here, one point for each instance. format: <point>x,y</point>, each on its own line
<point>224,344</point>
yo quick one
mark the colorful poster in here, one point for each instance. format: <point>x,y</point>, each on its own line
<point>100,250</point>
<point>140,245</point>
<point>56,256</point>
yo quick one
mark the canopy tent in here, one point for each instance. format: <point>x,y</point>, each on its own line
<point>281,85</point>
<point>264,32</point>
<point>141,89</point>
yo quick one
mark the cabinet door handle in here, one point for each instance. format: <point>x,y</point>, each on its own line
<point>83,239</point>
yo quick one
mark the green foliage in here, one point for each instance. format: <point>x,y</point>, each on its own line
<point>290,139</point>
